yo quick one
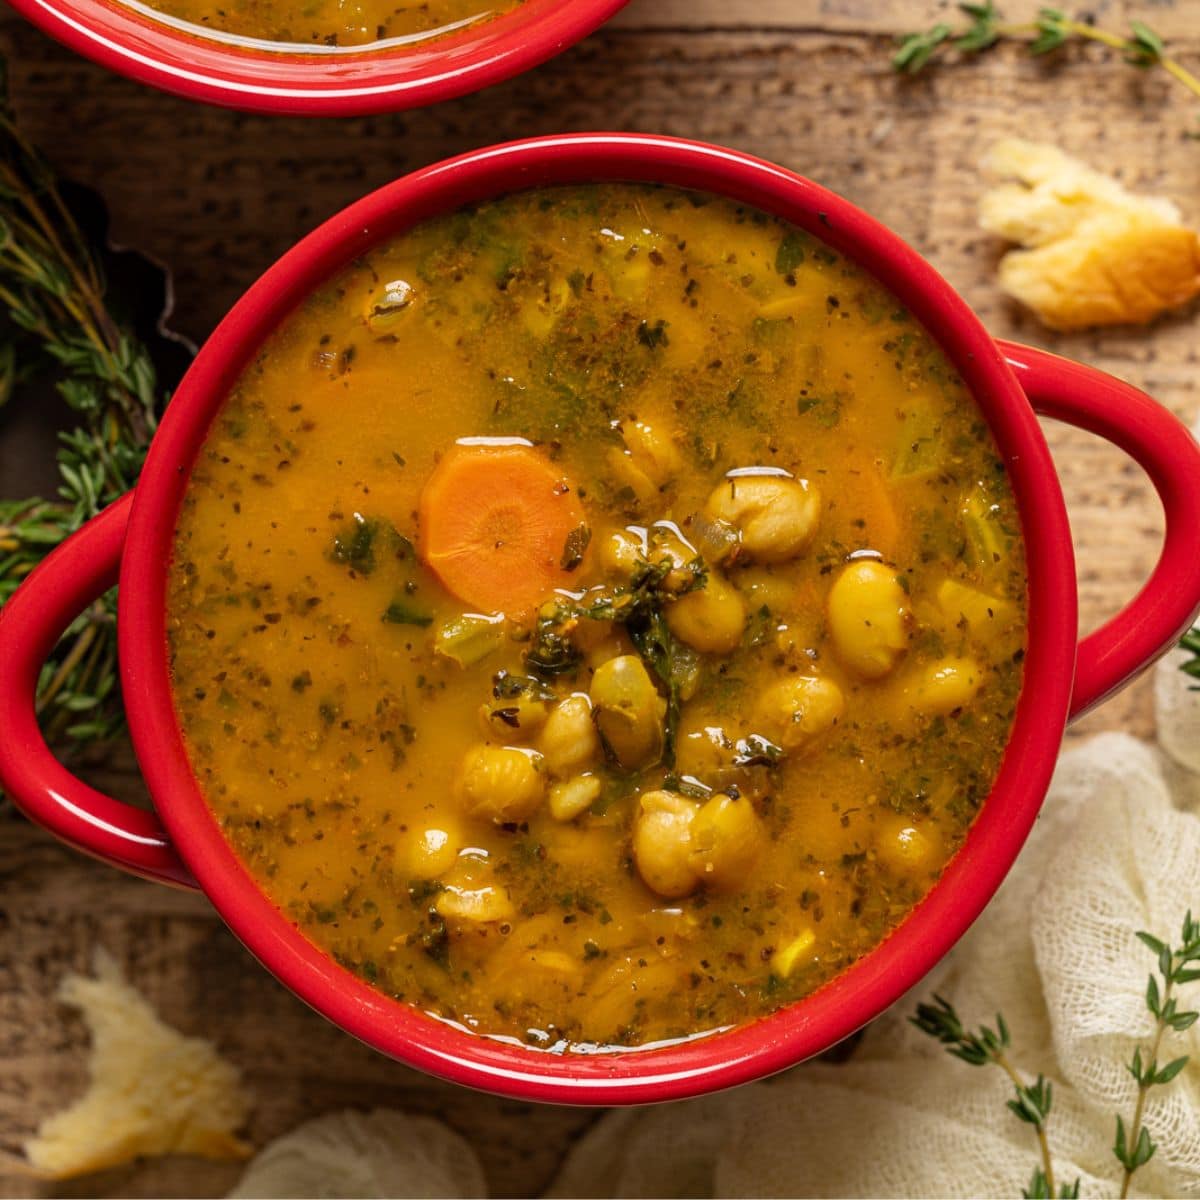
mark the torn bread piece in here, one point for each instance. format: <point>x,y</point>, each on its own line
<point>152,1091</point>
<point>1096,253</point>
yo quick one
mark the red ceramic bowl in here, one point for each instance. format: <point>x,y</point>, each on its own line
<point>328,83</point>
<point>182,843</point>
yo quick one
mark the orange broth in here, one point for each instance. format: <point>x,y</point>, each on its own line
<point>330,23</point>
<point>487,814</point>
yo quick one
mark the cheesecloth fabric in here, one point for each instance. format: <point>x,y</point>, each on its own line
<point>351,1154</point>
<point>1117,849</point>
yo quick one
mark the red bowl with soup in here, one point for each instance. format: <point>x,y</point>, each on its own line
<point>636,652</point>
<point>325,59</point>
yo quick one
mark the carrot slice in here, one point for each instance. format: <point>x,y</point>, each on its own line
<point>500,526</point>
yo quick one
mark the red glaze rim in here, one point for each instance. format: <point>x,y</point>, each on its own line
<point>317,84</point>
<point>880,977</point>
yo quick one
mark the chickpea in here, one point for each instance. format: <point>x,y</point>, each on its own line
<point>760,585</point>
<point>796,711</point>
<point>569,741</point>
<point>623,469</point>
<point>513,718</point>
<point>777,515</point>
<point>472,897</point>
<point>502,784</point>
<point>621,551</point>
<point>709,619</point>
<point>946,685</point>
<point>613,646</point>
<point>653,451</point>
<point>703,748</point>
<point>868,619</point>
<point>726,838</point>
<point>431,852</point>
<point>568,800</point>
<point>667,544</point>
<point>907,846</point>
<point>662,843</point>
<point>629,710</point>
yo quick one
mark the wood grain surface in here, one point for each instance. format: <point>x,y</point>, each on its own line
<point>217,195</point>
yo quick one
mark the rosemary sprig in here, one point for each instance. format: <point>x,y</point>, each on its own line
<point>52,289</point>
<point>1135,1147</point>
<point>1032,1102</point>
<point>984,27</point>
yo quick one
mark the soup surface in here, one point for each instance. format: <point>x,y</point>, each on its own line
<point>330,23</point>
<point>597,616</point>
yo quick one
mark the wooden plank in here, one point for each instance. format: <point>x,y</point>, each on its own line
<point>58,906</point>
<point>1172,20</point>
<point>219,195</point>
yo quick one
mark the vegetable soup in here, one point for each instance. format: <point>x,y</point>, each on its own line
<point>329,23</point>
<point>597,615</point>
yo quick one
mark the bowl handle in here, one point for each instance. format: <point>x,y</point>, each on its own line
<point>83,568</point>
<point>1154,620</point>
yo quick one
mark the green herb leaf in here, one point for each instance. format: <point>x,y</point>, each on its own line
<point>1171,1070</point>
<point>1145,47</point>
<point>354,544</point>
<point>918,48</point>
<point>1153,943</point>
<point>575,547</point>
<point>1052,31</point>
<point>653,336</point>
<point>790,253</point>
<point>402,612</point>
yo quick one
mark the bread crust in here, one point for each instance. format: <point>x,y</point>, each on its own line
<point>1094,253</point>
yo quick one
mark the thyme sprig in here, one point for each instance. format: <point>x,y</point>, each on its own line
<point>1134,1145</point>
<point>1191,643</point>
<point>984,27</point>
<point>1032,1102</point>
<point>53,290</point>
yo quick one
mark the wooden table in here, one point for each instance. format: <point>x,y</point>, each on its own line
<point>218,195</point>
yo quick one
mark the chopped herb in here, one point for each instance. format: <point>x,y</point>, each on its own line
<point>401,612</point>
<point>757,751</point>
<point>653,336</point>
<point>825,410</point>
<point>575,547</point>
<point>790,253</point>
<point>354,544</point>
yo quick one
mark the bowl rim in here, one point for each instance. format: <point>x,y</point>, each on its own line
<point>353,83</point>
<point>880,977</point>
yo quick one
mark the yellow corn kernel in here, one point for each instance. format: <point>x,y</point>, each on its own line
<point>785,959</point>
<point>983,613</point>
